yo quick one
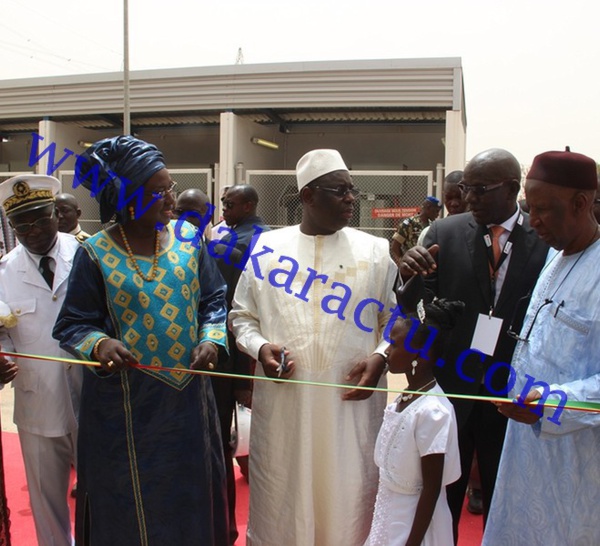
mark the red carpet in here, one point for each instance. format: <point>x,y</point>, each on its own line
<point>22,529</point>
<point>23,532</point>
<point>470,529</point>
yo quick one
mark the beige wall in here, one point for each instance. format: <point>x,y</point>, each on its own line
<point>364,147</point>
<point>15,154</point>
<point>456,141</point>
<point>65,137</point>
<point>185,147</point>
<point>236,147</point>
<point>370,147</point>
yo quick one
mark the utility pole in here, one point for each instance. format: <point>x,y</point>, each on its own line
<point>126,115</point>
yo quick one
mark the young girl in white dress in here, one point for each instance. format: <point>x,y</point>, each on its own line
<point>417,447</point>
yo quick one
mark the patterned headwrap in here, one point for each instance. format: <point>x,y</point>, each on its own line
<point>114,168</point>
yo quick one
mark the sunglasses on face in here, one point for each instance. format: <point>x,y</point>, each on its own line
<point>479,189</point>
<point>340,191</point>
<point>229,204</point>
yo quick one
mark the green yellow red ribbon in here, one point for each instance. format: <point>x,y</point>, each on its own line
<point>592,407</point>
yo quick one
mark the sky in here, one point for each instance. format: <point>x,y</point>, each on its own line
<point>531,67</point>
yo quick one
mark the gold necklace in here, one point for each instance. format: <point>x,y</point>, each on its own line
<point>154,269</point>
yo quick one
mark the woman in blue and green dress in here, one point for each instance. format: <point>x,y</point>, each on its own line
<point>150,462</point>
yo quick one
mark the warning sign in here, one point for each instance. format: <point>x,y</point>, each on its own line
<point>396,212</point>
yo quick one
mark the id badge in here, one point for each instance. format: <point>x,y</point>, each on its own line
<point>487,332</point>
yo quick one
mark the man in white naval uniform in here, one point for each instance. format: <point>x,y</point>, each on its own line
<point>33,282</point>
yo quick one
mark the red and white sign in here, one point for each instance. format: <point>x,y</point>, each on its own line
<point>396,212</point>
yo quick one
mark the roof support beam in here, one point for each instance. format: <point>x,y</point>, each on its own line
<point>275,118</point>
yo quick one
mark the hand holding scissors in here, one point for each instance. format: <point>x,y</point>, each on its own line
<point>273,360</point>
<point>282,368</point>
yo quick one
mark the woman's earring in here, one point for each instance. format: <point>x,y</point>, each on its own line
<point>414,367</point>
<point>131,213</point>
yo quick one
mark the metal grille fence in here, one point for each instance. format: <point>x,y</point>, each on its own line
<point>386,196</point>
<point>90,211</point>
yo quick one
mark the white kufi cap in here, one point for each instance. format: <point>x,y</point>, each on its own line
<point>316,163</point>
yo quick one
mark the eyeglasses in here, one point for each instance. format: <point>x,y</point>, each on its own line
<point>480,189</point>
<point>340,191</point>
<point>525,299</point>
<point>41,223</point>
<point>163,193</point>
<point>228,204</point>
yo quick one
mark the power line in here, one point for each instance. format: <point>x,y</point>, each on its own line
<point>61,24</point>
<point>21,48</point>
<point>34,58</point>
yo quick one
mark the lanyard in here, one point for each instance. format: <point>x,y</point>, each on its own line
<point>487,238</point>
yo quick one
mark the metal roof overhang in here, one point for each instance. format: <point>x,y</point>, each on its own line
<point>390,92</point>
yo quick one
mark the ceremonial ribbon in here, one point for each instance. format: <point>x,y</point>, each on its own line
<point>592,407</point>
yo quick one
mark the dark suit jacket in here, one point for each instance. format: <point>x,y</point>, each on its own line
<point>238,362</point>
<point>463,274</point>
<point>245,230</point>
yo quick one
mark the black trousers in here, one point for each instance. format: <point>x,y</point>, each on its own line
<point>223,391</point>
<point>483,433</point>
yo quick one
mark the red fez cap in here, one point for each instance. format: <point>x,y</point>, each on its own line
<point>567,169</point>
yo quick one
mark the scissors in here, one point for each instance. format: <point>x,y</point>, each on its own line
<point>282,368</point>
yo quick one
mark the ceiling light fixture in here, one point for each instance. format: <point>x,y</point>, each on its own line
<point>265,143</point>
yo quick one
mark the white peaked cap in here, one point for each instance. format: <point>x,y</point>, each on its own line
<point>28,192</point>
<point>317,163</point>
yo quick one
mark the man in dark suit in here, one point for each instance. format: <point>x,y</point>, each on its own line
<point>239,213</point>
<point>228,248</point>
<point>490,259</point>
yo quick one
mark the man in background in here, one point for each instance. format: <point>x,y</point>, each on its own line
<point>407,234</point>
<point>68,214</point>
<point>214,234</point>
<point>455,203</point>
<point>194,201</point>
<point>453,199</point>
<point>239,212</point>
<point>228,391</point>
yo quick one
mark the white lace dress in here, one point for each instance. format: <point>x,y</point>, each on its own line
<point>425,427</point>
